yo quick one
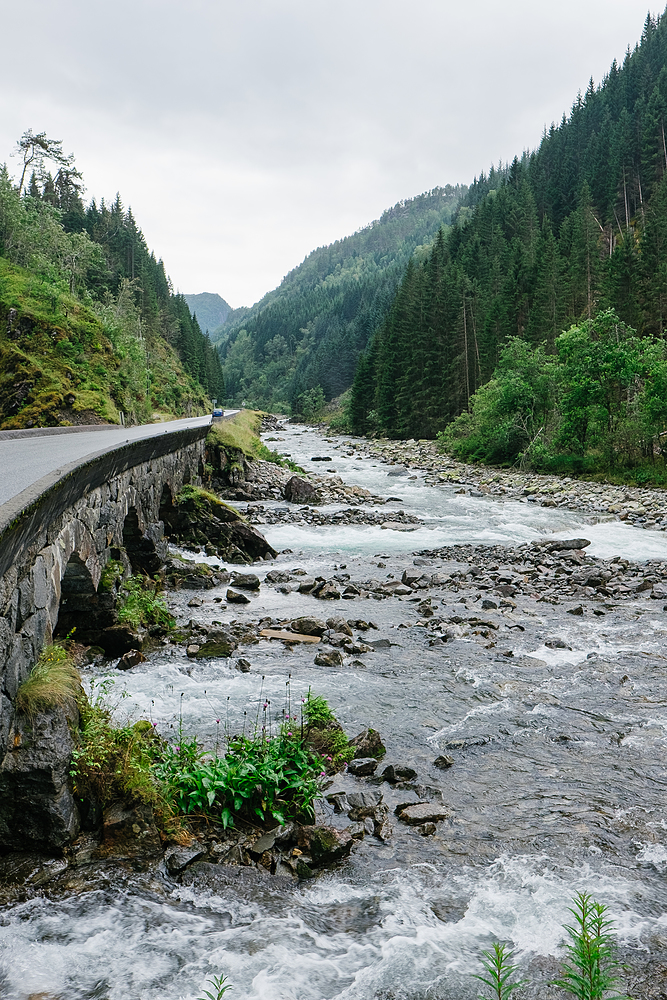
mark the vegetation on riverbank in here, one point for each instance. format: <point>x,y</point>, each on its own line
<point>241,433</point>
<point>598,406</point>
<point>54,680</point>
<point>90,324</point>
<point>140,604</point>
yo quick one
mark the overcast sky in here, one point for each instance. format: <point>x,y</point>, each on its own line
<point>245,133</point>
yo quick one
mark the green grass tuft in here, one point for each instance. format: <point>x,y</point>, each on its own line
<point>54,680</point>
<point>140,605</point>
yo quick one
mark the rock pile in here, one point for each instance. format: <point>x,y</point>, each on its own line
<point>647,508</point>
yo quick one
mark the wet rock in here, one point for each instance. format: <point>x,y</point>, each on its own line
<point>212,648</point>
<point>579,610</point>
<point>277,576</point>
<point>37,808</point>
<point>361,767</point>
<point>427,829</point>
<point>563,544</point>
<point>328,592</point>
<point>307,625</point>
<point>299,490</point>
<point>556,644</point>
<point>243,665</point>
<point>423,812</point>
<point>130,659</point>
<point>355,648</point>
<point>192,650</point>
<point>265,843</point>
<point>177,859</point>
<point>443,761</point>
<point>245,581</point>
<point>129,832</point>
<point>368,743</point>
<point>196,602</point>
<point>120,639</point>
<point>394,773</point>
<point>488,605</point>
<point>339,625</point>
<point>306,585</point>
<point>243,880</point>
<point>233,597</point>
<point>363,803</point>
<point>325,844</point>
<point>329,658</point>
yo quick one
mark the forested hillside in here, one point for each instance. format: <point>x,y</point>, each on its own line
<point>303,339</point>
<point>90,325</point>
<point>572,230</point>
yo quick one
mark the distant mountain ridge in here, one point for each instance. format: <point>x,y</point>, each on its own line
<point>306,335</point>
<point>211,310</point>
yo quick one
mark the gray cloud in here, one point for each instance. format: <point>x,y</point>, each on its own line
<point>244,134</point>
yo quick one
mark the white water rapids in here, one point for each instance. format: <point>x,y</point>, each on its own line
<point>561,788</point>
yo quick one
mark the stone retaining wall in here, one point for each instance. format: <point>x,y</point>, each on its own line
<point>57,537</point>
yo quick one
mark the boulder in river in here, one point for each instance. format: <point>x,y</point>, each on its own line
<point>307,625</point>
<point>368,744</point>
<point>329,658</point>
<point>424,812</point>
<point>245,581</point>
<point>233,597</point>
<point>298,490</point>
<point>325,844</point>
<point>362,767</point>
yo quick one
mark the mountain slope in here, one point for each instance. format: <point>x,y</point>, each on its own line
<point>574,228</point>
<point>210,309</point>
<point>309,331</point>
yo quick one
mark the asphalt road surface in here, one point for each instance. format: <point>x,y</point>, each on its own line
<point>28,456</point>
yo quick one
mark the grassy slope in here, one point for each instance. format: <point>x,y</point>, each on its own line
<point>59,364</point>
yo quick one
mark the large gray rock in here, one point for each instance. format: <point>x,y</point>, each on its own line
<point>37,808</point>
<point>299,490</point>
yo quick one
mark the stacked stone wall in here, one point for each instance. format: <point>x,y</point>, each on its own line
<point>81,513</point>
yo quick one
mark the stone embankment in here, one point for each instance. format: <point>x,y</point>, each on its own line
<point>646,508</point>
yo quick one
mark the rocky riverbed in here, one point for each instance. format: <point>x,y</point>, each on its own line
<point>511,657</point>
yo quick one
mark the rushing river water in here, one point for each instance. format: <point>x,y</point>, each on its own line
<point>558,786</point>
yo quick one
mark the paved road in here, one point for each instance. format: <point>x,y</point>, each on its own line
<point>29,455</point>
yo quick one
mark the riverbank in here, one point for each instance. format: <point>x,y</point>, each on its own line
<point>644,507</point>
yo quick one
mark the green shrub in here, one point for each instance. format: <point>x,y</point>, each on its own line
<point>54,680</point>
<point>258,777</point>
<point>114,762</point>
<point>140,605</point>
<point>324,734</point>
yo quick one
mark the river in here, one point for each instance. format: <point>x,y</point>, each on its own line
<point>558,786</point>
